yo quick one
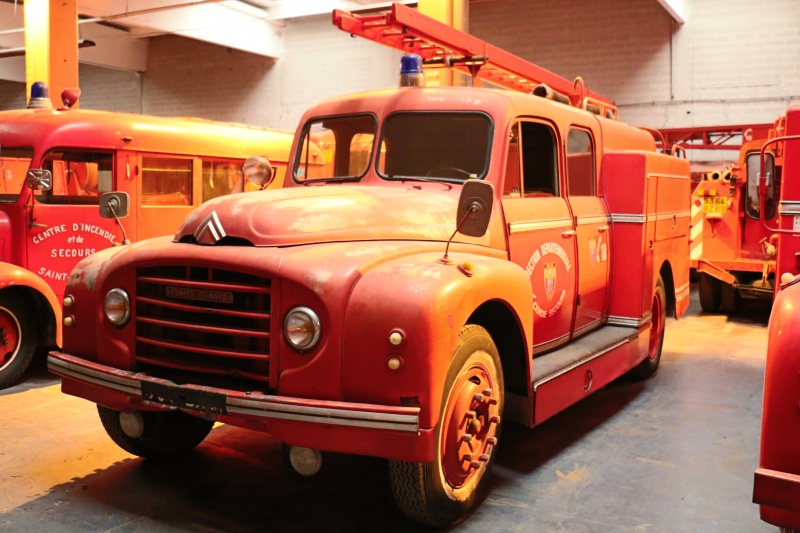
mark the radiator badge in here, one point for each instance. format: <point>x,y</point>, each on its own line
<point>210,231</point>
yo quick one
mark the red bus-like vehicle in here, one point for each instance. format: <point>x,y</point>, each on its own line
<point>167,166</point>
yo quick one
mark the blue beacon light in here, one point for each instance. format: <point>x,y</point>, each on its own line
<point>411,74</point>
<point>40,96</point>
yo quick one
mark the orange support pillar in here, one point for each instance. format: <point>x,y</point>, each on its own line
<point>51,45</point>
<point>454,13</point>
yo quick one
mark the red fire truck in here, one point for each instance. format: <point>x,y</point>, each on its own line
<point>452,258</point>
<point>777,479</point>
<point>166,166</point>
<point>733,247</point>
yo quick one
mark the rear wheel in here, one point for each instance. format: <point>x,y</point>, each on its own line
<point>154,433</point>
<point>710,293</point>
<point>17,341</point>
<point>439,492</point>
<point>729,299</point>
<point>658,320</point>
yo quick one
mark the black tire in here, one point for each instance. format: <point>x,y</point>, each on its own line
<point>17,340</point>
<point>710,293</point>
<point>649,366</point>
<point>729,299</point>
<point>165,433</point>
<point>439,492</point>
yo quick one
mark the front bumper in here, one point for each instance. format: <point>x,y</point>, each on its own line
<point>366,429</point>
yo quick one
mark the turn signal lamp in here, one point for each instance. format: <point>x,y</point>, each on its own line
<point>411,74</point>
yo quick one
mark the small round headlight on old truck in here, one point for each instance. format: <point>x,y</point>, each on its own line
<point>117,307</point>
<point>301,328</point>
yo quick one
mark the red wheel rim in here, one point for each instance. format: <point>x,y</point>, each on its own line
<point>469,425</point>
<point>9,337</point>
<point>656,325</point>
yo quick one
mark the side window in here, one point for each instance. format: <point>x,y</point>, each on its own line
<point>166,181</point>
<point>580,164</point>
<point>220,178</point>
<point>336,147</point>
<point>539,159</point>
<point>752,205</point>
<point>511,181</point>
<point>14,163</point>
<point>78,177</point>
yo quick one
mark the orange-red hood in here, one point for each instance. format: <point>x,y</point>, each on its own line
<point>304,215</point>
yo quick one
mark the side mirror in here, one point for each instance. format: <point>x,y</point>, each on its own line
<point>39,180</point>
<point>475,208</point>
<point>114,205</point>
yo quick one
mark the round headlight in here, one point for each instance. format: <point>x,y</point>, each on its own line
<point>117,307</point>
<point>301,328</point>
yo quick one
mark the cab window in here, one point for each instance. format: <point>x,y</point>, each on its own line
<point>220,178</point>
<point>335,148</point>
<point>14,163</point>
<point>78,177</point>
<point>166,181</point>
<point>752,205</point>
<point>580,163</point>
<point>532,161</point>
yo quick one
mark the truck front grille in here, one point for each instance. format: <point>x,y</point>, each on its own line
<point>204,326</point>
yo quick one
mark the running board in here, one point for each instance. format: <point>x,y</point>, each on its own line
<point>566,376</point>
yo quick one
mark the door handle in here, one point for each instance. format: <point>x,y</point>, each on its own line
<point>569,233</point>
<point>601,229</point>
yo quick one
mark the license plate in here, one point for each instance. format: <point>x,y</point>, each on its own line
<point>183,398</point>
<point>715,204</point>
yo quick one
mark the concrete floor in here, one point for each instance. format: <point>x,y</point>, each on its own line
<point>673,454</point>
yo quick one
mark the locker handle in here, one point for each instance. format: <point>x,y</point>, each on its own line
<point>601,229</point>
<point>569,233</point>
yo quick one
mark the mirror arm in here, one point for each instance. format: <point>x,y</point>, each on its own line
<point>445,260</point>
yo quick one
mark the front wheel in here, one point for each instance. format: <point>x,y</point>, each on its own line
<point>658,320</point>
<point>17,341</point>
<point>440,491</point>
<point>154,433</point>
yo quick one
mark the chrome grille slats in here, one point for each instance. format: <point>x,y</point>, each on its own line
<point>203,325</point>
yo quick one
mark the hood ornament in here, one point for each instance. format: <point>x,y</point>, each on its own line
<point>210,230</point>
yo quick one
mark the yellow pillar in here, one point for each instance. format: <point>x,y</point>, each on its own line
<point>51,45</point>
<point>454,13</point>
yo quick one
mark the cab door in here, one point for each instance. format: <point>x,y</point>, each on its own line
<point>541,233</point>
<point>592,227</point>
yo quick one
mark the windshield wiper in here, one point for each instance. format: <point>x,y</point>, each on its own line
<point>332,179</point>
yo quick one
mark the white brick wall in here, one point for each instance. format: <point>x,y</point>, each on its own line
<point>733,61</point>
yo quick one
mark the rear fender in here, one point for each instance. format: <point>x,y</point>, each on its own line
<point>426,303</point>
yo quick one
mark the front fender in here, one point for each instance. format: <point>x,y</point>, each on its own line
<point>428,303</point>
<point>780,421</point>
<point>15,276</point>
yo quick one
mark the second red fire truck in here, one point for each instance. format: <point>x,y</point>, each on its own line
<point>441,261</point>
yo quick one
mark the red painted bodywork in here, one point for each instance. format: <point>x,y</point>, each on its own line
<point>777,480</point>
<point>41,241</point>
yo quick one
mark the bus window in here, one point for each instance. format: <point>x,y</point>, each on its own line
<point>220,178</point>
<point>166,181</point>
<point>14,163</point>
<point>78,177</point>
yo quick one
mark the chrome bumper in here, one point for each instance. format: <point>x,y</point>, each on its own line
<point>400,419</point>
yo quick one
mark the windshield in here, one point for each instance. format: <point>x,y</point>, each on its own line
<point>14,163</point>
<point>448,146</point>
<point>335,148</point>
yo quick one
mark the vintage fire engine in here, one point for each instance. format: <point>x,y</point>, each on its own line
<point>49,216</point>
<point>777,479</point>
<point>441,260</point>
<point>733,246</point>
